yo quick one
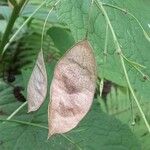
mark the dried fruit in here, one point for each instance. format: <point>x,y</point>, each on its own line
<point>37,86</point>
<point>72,88</point>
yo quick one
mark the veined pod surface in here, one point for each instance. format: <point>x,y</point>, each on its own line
<point>72,89</point>
<point>37,86</point>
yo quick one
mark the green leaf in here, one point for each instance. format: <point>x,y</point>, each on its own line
<point>131,38</point>
<point>5,11</point>
<point>2,26</point>
<point>97,130</point>
<point>61,37</point>
<point>119,105</point>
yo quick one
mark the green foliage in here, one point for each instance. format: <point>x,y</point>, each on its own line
<point>96,130</point>
<point>67,24</point>
<point>135,46</point>
<point>58,35</point>
<point>121,105</point>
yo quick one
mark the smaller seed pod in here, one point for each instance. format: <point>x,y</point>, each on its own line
<point>37,86</point>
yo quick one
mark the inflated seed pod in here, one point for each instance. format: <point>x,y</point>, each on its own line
<point>72,88</point>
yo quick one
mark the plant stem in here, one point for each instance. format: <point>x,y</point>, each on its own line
<point>17,110</point>
<point>17,32</point>
<point>44,25</point>
<point>106,43</point>
<point>136,67</point>
<point>13,17</point>
<point>119,51</point>
<point>101,86</point>
<point>24,123</point>
<point>133,63</point>
<point>89,18</point>
<point>133,94</point>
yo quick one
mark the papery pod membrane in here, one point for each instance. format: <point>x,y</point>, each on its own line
<point>72,89</point>
<point>37,86</point>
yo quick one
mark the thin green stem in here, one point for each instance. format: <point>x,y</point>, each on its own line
<point>136,67</point>
<point>101,86</point>
<point>13,18</point>
<point>131,107</point>
<point>24,123</point>
<point>106,43</point>
<point>17,110</point>
<point>146,77</point>
<point>133,94</point>
<point>17,32</point>
<point>71,141</point>
<point>128,13</point>
<point>89,18</point>
<point>132,62</point>
<point>43,29</point>
<point>118,49</point>
<point>45,22</point>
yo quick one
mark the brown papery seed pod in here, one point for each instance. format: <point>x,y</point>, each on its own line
<point>37,86</point>
<point>72,89</point>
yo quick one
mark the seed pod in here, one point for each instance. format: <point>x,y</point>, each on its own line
<point>72,88</point>
<point>37,86</point>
